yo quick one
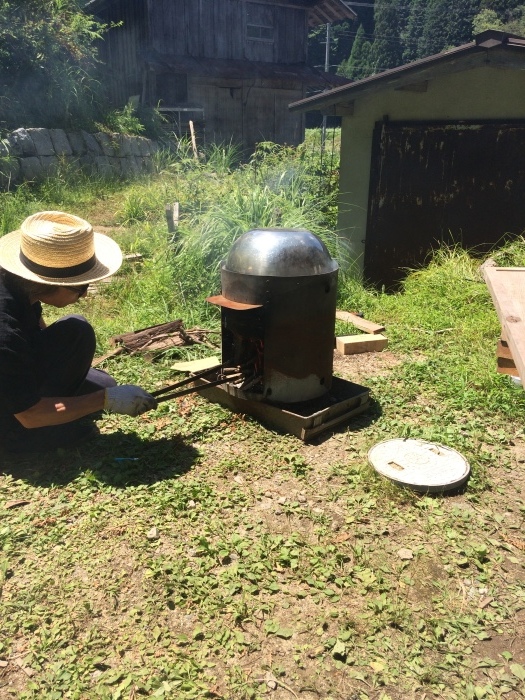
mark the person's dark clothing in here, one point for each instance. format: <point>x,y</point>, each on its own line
<point>36,363</point>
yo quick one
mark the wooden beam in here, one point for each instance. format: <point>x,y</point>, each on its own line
<point>358,322</point>
<point>193,140</point>
<point>353,344</point>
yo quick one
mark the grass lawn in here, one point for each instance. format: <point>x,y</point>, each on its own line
<point>195,553</point>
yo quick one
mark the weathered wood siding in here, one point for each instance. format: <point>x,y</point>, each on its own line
<point>217,29</point>
<point>241,109</point>
<point>246,113</point>
<point>121,47</point>
<point>224,108</point>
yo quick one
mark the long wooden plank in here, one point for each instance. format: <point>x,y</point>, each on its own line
<point>507,289</point>
<point>358,322</point>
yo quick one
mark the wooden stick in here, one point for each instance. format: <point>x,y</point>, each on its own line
<point>193,141</point>
<point>134,338</point>
<point>99,360</point>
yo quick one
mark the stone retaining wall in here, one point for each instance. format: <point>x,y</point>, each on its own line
<point>34,154</point>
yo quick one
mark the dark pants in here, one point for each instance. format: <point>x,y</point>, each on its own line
<point>65,351</point>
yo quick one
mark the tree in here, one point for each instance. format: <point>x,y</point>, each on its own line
<point>48,63</point>
<point>486,19</point>
<point>341,38</point>
<point>460,21</point>
<point>505,15</point>
<point>501,7</point>
<point>407,30</point>
<point>386,51</point>
<point>411,35</point>
<point>448,23</point>
<point>357,65</point>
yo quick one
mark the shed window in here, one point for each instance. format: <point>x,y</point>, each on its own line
<point>259,22</point>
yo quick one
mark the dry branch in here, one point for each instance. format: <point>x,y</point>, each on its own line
<point>154,340</point>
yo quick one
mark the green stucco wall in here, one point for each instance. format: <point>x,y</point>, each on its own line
<point>480,93</point>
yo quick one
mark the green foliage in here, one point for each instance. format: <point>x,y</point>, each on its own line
<point>411,34</point>
<point>48,64</point>
<point>272,190</point>
<point>486,19</point>
<point>122,121</point>
<point>358,64</point>
<point>13,209</point>
<point>515,22</point>
<point>386,50</point>
<point>153,122</point>
<point>339,42</point>
<point>447,23</point>
<point>403,32</point>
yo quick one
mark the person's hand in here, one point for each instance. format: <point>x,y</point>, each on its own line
<point>128,399</point>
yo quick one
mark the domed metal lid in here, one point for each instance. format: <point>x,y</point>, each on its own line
<point>276,252</point>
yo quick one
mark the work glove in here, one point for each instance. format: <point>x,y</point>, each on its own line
<point>128,399</point>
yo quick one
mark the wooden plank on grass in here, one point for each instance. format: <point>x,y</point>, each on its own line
<point>353,344</point>
<point>358,322</point>
<point>507,289</point>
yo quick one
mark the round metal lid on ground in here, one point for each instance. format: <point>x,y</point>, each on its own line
<point>419,465</point>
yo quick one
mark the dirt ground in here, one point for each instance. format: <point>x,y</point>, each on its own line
<point>367,593</point>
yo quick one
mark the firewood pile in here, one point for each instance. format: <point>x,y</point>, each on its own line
<point>155,340</point>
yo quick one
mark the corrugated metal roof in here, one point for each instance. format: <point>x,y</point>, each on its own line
<point>240,70</point>
<point>486,41</point>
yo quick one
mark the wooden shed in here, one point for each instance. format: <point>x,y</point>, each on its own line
<point>230,66</point>
<point>432,152</point>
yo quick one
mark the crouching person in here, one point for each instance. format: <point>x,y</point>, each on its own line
<point>47,384</point>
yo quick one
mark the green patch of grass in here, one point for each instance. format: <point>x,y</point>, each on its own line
<point>193,552</point>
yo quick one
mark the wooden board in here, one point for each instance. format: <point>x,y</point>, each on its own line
<point>197,365</point>
<point>504,350</point>
<point>353,344</point>
<point>507,289</point>
<point>358,322</point>
<point>505,361</point>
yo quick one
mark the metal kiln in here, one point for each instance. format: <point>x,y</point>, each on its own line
<point>278,304</point>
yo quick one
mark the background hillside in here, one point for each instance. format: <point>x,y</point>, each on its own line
<point>389,33</point>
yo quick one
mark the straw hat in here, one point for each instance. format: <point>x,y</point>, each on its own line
<point>53,247</point>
